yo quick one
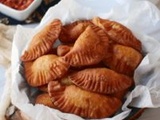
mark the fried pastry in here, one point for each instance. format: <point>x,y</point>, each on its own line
<point>43,41</point>
<point>101,80</point>
<point>52,51</point>
<point>63,49</point>
<point>120,94</point>
<point>123,59</point>
<point>71,32</point>
<point>44,99</point>
<point>44,69</point>
<point>65,80</point>
<point>72,99</point>
<point>89,48</point>
<point>118,33</point>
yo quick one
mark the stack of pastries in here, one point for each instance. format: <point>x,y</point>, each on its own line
<point>89,72</point>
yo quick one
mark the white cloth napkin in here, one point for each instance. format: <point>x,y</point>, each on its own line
<point>6,37</point>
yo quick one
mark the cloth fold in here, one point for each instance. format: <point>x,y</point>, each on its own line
<point>6,37</point>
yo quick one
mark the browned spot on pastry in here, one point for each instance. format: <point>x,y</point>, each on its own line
<point>72,99</point>
<point>118,33</point>
<point>44,69</point>
<point>43,41</point>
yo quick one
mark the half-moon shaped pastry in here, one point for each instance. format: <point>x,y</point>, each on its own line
<point>89,48</point>
<point>71,32</point>
<point>43,41</point>
<point>118,33</point>
<point>44,69</point>
<point>44,99</point>
<point>72,99</point>
<point>101,80</point>
<point>123,59</point>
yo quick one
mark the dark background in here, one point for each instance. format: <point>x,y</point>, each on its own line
<point>35,17</point>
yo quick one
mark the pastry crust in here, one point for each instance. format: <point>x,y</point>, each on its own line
<point>101,80</point>
<point>71,32</point>
<point>66,80</point>
<point>63,49</point>
<point>44,99</point>
<point>123,59</point>
<point>44,69</point>
<point>72,99</point>
<point>90,48</point>
<point>43,41</point>
<point>118,33</point>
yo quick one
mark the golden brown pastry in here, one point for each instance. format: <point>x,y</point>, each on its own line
<point>44,69</point>
<point>65,81</point>
<point>120,94</point>
<point>89,48</point>
<point>101,80</point>
<point>123,59</point>
<point>118,33</point>
<point>63,49</point>
<point>44,99</point>
<point>43,41</point>
<point>72,99</point>
<point>71,32</point>
<point>88,78</point>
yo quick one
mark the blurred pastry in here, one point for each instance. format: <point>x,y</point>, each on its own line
<point>44,69</point>
<point>118,33</point>
<point>43,41</point>
<point>123,59</point>
<point>72,99</point>
<point>101,80</point>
